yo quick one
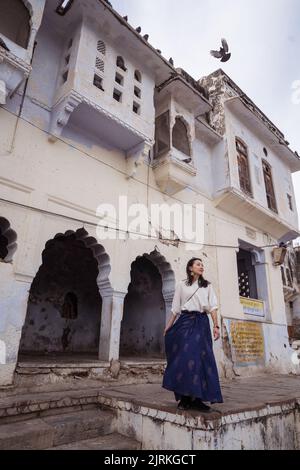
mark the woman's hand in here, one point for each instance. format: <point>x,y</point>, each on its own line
<point>216,333</point>
<point>170,324</point>
<point>166,330</point>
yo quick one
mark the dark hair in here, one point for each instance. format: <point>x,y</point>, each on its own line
<point>201,281</point>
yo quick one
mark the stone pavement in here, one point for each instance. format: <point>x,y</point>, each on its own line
<point>239,394</point>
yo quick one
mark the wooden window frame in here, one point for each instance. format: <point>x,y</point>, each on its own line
<point>269,186</point>
<point>243,166</point>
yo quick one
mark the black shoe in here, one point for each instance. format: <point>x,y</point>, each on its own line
<point>197,404</point>
<point>184,404</point>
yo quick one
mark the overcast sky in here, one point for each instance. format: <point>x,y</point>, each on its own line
<point>264,38</point>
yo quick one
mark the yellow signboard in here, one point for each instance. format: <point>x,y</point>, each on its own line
<point>253,307</point>
<point>247,343</point>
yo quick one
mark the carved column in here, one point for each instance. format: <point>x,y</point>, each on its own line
<point>111,317</point>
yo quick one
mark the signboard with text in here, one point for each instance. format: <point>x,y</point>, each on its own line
<point>253,307</point>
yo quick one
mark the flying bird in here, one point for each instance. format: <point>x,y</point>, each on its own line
<point>223,53</point>
<point>2,44</point>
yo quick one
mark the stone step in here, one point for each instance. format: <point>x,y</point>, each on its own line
<point>113,441</point>
<point>35,404</point>
<point>56,430</point>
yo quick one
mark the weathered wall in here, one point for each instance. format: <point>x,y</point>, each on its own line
<point>144,313</point>
<point>54,322</point>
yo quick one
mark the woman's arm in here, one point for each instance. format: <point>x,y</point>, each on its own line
<point>213,303</point>
<point>214,316</point>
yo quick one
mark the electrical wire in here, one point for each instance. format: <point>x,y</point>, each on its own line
<point>136,180</point>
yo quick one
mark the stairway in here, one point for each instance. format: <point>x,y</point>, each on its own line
<point>83,429</point>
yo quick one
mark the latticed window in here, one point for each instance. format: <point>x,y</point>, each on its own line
<point>162,134</point>
<point>101,47</point>
<point>99,64</point>
<point>243,166</point>
<point>180,139</point>
<point>269,186</point>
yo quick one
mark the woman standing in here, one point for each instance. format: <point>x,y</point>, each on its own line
<point>191,371</point>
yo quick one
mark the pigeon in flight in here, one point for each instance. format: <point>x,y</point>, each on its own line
<point>2,44</point>
<point>223,53</point>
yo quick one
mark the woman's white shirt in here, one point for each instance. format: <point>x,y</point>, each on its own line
<point>205,298</point>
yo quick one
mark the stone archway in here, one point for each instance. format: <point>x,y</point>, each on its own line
<point>65,305</point>
<point>8,241</point>
<point>146,307</point>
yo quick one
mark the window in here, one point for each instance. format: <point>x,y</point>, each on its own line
<point>121,63</point>
<point>247,275</point>
<point>99,58</point>
<point>98,82</point>
<point>290,201</point>
<point>180,139</point>
<point>119,79</point>
<point>138,76</point>
<point>162,134</point>
<point>101,47</point>
<point>117,95</point>
<point>136,108</point>
<point>269,186</point>
<point>65,76</point>
<point>243,167</point>
<point>66,61</point>
<point>15,22</point>
<point>137,92</point>
<point>99,64</point>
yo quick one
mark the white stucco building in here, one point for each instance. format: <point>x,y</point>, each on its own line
<point>90,111</point>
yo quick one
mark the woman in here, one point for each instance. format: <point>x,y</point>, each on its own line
<point>191,371</point>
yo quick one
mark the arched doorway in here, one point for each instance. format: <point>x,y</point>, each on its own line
<point>64,307</point>
<point>146,307</point>
<point>8,241</point>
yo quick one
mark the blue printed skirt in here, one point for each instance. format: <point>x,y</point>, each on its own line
<point>191,367</point>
